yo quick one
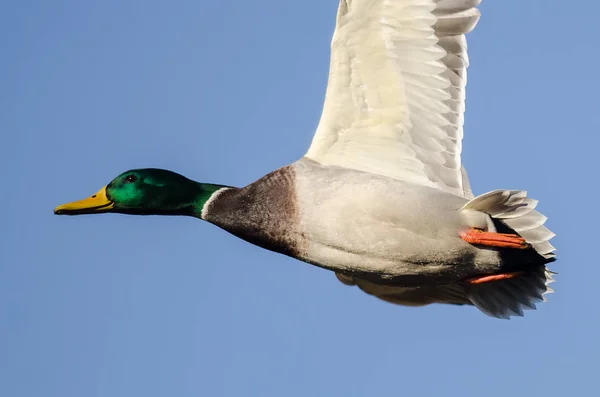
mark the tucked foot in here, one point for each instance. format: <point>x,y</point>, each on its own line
<point>492,277</point>
<point>490,239</point>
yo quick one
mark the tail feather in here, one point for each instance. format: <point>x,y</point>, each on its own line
<point>510,297</point>
<point>512,209</point>
<point>517,211</point>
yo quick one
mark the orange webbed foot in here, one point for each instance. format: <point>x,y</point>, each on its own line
<point>491,239</point>
<point>492,277</point>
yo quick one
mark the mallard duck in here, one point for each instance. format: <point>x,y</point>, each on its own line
<point>381,198</point>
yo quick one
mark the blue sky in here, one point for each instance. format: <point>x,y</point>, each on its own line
<point>225,91</point>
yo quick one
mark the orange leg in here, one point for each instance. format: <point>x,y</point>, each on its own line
<point>490,239</point>
<point>493,277</point>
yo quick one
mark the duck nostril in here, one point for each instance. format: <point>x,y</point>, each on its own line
<point>94,196</point>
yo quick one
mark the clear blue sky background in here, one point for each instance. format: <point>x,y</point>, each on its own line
<point>225,91</point>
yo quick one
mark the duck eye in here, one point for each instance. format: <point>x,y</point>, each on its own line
<point>131,178</point>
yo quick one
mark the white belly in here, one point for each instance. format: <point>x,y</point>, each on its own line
<point>359,222</point>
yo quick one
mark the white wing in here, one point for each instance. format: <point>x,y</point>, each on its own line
<point>395,99</point>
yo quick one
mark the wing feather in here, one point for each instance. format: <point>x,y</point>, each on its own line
<point>395,100</point>
<point>410,296</point>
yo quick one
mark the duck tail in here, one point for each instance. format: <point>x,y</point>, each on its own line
<point>511,211</point>
<point>509,297</point>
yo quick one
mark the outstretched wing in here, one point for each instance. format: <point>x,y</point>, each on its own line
<point>395,98</point>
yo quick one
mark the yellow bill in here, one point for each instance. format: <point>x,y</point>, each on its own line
<point>99,202</point>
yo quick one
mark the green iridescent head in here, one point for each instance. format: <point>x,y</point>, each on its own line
<point>148,191</point>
